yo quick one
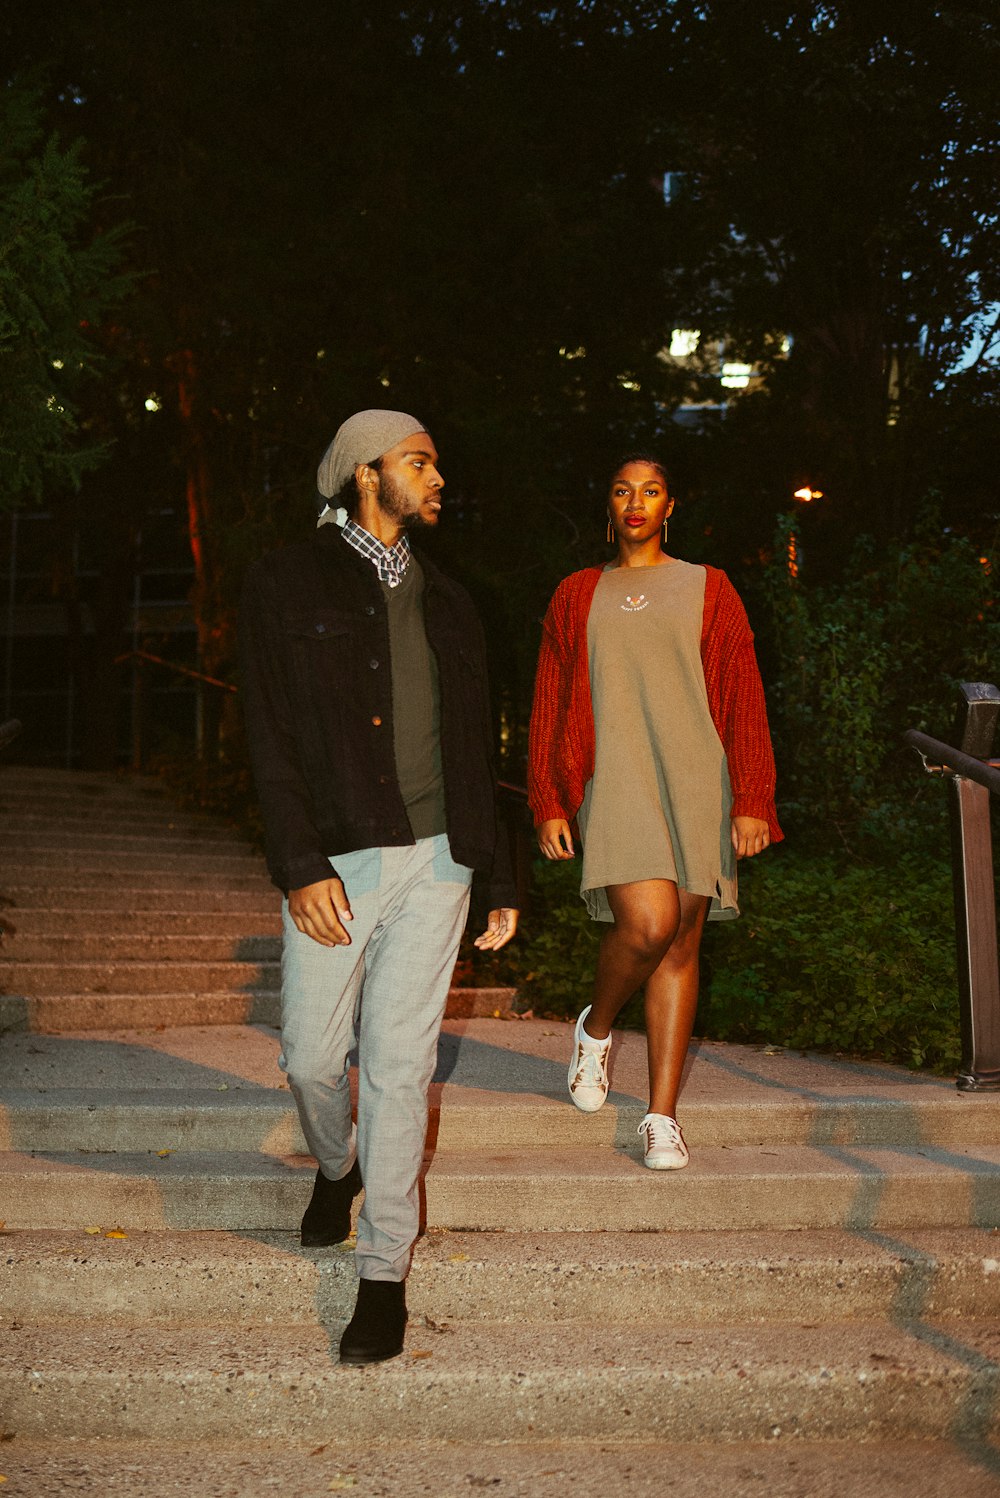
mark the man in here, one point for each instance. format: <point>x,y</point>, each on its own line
<point>364,680</point>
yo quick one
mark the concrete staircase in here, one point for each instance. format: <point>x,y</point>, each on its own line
<point>810,1308</point>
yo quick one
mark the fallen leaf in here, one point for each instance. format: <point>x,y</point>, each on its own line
<point>222,1087</point>
<point>319,1450</point>
<point>422,1352</point>
<point>496,1014</point>
<point>341,1484</point>
<point>92,1231</point>
<point>162,1154</point>
<point>116,1233</point>
<point>459,1259</point>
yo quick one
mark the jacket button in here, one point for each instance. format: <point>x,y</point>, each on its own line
<point>383,780</point>
<point>377,721</point>
<point>321,629</point>
<point>369,610</point>
<point>373,663</point>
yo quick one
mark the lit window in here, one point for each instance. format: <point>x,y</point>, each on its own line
<point>153,403</point>
<point>683,342</point>
<point>736,376</point>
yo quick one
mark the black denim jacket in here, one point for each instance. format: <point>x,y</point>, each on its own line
<point>317,695</point>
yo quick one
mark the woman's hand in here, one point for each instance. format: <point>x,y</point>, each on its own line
<point>750,836</point>
<point>555,838</point>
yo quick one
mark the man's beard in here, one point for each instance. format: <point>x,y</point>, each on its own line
<point>393,504</point>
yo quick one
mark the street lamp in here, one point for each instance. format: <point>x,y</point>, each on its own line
<point>805,496</point>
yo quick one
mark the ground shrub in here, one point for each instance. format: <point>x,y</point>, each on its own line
<point>854,958</point>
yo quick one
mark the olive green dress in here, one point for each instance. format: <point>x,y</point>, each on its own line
<point>658,805</point>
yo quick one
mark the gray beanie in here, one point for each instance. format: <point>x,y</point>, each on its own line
<point>362,438</point>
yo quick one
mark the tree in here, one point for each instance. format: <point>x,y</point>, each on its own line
<point>58,279</point>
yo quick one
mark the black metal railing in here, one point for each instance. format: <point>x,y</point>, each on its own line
<point>972,776</point>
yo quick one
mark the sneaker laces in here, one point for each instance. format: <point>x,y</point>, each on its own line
<point>590,1070</point>
<point>650,1124</point>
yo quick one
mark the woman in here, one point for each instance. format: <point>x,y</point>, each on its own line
<point>649,724</point>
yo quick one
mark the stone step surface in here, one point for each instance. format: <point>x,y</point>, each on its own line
<point>863,1188</point>
<point>498,1082</point>
<point>61,1278</point>
<point>78,845</point>
<point>66,924</point>
<point>778,1468</point>
<point>91,862</point>
<point>117,884</point>
<point>151,1010</point>
<point>68,950</point>
<point>828,1267</point>
<point>57,979</point>
<point>230,1113</point>
<point>114,900</point>
<point>666,1383</point>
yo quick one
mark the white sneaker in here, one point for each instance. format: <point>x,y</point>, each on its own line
<point>665,1147</point>
<point>588,1070</point>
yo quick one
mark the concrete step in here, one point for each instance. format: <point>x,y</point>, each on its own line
<point>118,899</point>
<point>231,860</point>
<point>31,780</point>
<point>219,1109</point>
<point>533,1469</point>
<point>68,925</point>
<point>117,886</point>
<point>153,945</point>
<point>129,976</point>
<point>516,1383</point>
<point>75,844</point>
<point>497,1085</point>
<point>164,822</point>
<point>562,1190</point>
<point>176,1279</point>
<point>52,1014</point>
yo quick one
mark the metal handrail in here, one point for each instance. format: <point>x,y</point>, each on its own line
<point>949,761</point>
<point>972,777</point>
<point>157,660</point>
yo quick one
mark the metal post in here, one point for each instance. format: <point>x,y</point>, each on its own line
<point>975,902</point>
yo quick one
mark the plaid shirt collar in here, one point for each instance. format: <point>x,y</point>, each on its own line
<point>389,562</point>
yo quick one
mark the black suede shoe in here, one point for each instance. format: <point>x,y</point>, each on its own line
<point>376,1329</point>
<point>328,1215</point>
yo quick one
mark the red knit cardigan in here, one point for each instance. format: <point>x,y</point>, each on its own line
<point>561,738</point>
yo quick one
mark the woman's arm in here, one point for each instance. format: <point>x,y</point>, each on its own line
<point>742,717</point>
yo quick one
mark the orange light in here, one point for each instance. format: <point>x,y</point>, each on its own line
<point>793,555</point>
<point>807,494</point>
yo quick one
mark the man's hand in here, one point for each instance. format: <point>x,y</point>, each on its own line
<point>499,929</point>
<point>319,910</point>
<point>555,838</point>
<point>750,836</point>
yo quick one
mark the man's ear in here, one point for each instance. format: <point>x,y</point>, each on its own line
<point>366,478</point>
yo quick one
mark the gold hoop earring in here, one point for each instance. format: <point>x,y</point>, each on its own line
<point>611,533</point>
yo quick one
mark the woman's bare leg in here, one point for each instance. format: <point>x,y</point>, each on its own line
<point>671,1001</point>
<point>647,918</point>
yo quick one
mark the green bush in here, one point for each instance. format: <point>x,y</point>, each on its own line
<point>846,958</point>
<point>854,663</point>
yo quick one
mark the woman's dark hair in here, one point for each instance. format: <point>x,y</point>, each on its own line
<point>649,458</point>
<point>347,498</point>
